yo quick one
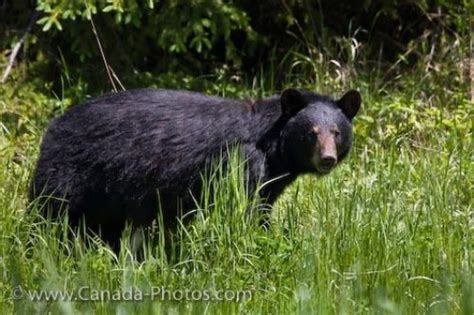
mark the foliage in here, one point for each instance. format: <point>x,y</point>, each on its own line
<point>245,36</point>
<point>159,33</point>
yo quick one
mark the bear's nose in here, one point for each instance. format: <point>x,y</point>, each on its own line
<point>328,161</point>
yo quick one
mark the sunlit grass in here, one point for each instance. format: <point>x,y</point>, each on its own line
<point>390,231</point>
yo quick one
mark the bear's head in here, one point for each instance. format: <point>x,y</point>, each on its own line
<point>317,133</point>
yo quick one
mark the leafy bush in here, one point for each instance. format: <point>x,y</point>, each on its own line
<point>242,38</point>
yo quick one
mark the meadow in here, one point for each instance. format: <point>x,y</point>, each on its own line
<point>390,231</point>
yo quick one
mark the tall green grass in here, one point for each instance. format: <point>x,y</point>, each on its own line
<point>390,231</point>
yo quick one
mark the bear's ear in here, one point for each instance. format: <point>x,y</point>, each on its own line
<point>292,101</point>
<point>350,103</point>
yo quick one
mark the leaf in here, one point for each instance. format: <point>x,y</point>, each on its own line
<point>48,24</point>
<point>108,8</point>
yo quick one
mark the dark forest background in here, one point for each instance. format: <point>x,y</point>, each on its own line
<point>162,42</point>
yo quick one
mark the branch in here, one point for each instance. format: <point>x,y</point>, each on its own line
<point>110,72</point>
<point>16,49</point>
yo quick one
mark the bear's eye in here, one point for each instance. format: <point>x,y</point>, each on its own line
<point>337,133</point>
<point>312,135</point>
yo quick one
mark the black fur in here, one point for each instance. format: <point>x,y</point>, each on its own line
<point>107,158</point>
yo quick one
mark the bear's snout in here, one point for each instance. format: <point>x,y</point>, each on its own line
<point>328,162</point>
<point>325,158</point>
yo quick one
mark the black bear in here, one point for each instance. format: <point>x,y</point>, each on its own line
<point>106,161</point>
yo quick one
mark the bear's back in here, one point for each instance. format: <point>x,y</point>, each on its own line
<point>120,137</point>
